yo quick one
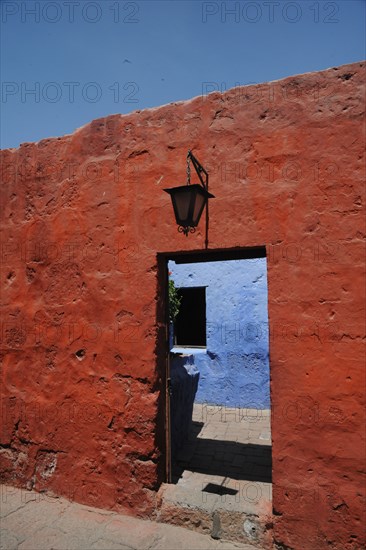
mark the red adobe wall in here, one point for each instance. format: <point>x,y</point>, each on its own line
<point>82,351</point>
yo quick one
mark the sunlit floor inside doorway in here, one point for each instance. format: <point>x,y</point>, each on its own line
<point>225,465</point>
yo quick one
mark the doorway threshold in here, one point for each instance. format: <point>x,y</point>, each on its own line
<point>222,476</point>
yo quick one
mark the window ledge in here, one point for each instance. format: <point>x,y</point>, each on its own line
<point>188,351</point>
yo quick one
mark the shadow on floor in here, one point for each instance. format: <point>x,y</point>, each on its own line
<point>239,461</point>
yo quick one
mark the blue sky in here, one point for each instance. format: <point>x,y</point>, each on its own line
<point>86,59</point>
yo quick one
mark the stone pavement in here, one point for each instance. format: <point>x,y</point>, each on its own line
<point>33,521</point>
<point>224,469</point>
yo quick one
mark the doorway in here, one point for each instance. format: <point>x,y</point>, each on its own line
<point>219,440</point>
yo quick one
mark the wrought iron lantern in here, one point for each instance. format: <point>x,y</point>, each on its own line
<point>189,200</point>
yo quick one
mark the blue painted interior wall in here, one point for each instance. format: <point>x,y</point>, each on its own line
<point>234,368</point>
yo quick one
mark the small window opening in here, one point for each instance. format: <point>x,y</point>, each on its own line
<point>190,324</point>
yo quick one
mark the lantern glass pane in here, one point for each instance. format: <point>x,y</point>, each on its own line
<point>198,207</point>
<point>182,201</point>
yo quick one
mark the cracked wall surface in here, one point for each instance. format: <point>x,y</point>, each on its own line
<point>83,334</point>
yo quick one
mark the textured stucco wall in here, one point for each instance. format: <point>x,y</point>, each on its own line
<point>234,370</point>
<point>84,328</point>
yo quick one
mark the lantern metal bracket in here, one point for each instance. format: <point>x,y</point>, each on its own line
<point>199,169</point>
